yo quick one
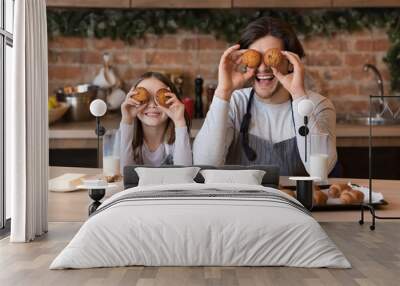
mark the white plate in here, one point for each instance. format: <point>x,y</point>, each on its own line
<point>304,178</point>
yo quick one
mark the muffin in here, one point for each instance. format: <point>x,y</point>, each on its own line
<point>251,58</point>
<point>142,95</point>
<point>162,97</point>
<point>273,57</point>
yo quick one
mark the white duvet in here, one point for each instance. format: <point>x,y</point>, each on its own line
<point>200,231</point>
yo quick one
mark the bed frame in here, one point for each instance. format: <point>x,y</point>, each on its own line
<point>270,179</point>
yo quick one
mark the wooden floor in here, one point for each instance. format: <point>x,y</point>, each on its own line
<point>375,257</point>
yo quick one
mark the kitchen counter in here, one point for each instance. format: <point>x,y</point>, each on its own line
<point>72,206</point>
<point>80,135</point>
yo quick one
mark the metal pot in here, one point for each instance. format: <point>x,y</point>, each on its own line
<point>79,103</point>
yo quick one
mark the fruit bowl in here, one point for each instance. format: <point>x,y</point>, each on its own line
<point>57,112</point>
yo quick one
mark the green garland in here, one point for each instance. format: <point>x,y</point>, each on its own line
<point>129,25</point>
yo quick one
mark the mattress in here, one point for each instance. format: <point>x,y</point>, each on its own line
<point>201,225</point>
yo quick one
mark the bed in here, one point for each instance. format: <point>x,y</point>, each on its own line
<point>201,224</point>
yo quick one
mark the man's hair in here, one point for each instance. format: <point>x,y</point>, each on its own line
<point>268,26</point>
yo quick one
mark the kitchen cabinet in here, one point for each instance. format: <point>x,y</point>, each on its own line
<point>280,3</point>
<point>86,158</point>
<point>365,3</point>
<point>89,3</point>
<point>354,163</point>
<point>181,4</point>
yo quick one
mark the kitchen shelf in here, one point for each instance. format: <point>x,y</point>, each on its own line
<point>281,4</point>
<point>365,3</point>
<point>181,4</point>
<point>89,3</point>
<point>221,4</point>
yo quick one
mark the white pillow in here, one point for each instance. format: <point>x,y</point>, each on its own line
<point>164,176</point>
<point>248,177</point>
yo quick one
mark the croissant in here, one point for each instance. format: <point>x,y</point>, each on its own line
<point>319,198</point>
<point>335,190</point>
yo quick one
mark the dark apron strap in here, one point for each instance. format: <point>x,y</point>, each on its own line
<point>244,130</point>
<point>245,125</point>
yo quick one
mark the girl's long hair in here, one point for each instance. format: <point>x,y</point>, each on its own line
<point>169,132</point>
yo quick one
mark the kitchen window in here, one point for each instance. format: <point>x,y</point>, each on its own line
<point>6,63</point>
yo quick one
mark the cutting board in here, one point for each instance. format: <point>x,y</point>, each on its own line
<point>66,183</point>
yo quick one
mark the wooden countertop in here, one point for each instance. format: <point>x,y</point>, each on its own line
<point>81,134</point>
<point>72,206</point>
<point>85,129</point>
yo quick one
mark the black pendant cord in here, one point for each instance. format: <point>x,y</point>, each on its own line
<point>97,194</point>
<point>303,131</point>
<point>100,131</point>
<point>244,130</point>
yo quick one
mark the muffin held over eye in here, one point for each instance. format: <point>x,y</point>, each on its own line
<point>142,95</point>
<point>273,57</point>
<point>251,58</point>
<point>162,97</point>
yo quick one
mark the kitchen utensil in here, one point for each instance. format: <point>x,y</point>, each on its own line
<point>58,112</point>
<point>189,106</point>
<point>79,104</point>
<point>304,190</point>
<point>198,90</point>
<point>106,77</point>
<point>115,99</point>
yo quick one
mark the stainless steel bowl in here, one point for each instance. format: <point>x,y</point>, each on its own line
<point>79,103</point>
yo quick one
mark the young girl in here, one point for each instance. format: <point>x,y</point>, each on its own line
<point>150,133</point>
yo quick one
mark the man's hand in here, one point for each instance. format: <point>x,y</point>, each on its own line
<point>230,77</point>
<point>292,82</point>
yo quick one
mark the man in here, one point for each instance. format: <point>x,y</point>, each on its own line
<point>260,124</point>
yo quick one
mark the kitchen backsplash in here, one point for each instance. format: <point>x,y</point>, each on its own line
<point>334,64</point>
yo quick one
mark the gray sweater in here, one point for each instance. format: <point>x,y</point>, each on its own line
<point>272,122</point>
<point>180,150</point>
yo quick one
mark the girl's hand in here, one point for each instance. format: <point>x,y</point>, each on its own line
<point>293,82</point>
<point>131,107</point>
<point>229,76</point>
<point>175,111</point>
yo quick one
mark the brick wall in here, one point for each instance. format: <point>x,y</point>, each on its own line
<point>334,64</point>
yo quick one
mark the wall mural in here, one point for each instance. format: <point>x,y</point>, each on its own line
<point>129,25</point>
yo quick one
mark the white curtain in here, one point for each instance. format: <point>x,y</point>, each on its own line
<point>27,123</point>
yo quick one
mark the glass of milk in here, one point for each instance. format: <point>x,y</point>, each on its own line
<point>111,142</point>
<point>318,163</point>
